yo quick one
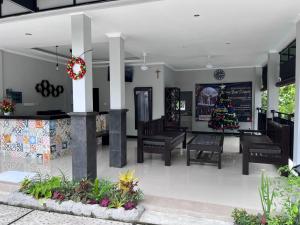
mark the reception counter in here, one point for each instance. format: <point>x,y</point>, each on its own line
<point>42,136</point>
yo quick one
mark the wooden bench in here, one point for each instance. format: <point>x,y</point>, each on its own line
<point>272,148</point>
<point>155,137</point>
<point>210,143</point>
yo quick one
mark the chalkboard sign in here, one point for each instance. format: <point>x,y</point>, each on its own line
<point>240,94</point>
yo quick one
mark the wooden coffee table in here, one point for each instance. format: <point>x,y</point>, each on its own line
<point>206,143</point>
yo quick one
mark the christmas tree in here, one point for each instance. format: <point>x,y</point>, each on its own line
<point>223,115</point>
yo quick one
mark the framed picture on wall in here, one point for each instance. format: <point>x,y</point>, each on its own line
<point>240,93</point>
<point>15,96</point>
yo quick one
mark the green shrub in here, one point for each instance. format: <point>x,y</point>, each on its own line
<point>284,190</point>
<point>266,195</point>
<point>241,217</point>
<point>102,189</point>
<point>40,188</point>
<point>123,193</point>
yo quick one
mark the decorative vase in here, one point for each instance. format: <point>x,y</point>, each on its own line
<point>7,113</point>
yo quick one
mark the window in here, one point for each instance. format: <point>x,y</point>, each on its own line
<point>287,99</point>
<point>182,105</point>
<point>264,99</point>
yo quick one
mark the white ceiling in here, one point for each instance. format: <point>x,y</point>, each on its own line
<point>168,31</point>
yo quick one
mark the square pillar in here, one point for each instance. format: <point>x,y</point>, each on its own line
<point>117,137</point>
<point>83,120</point>
<point>83,145</point>
<point>117,124</point>
<point>296,153</point>
<point>273,75</point>
<point>1,76</point>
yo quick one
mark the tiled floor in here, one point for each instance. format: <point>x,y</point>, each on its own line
<point>20,216</point>
<point>196,183</point>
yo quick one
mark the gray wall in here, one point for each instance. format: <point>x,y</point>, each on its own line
<point>145,79</point>
<point>100,81</point>
<point>140,79</point>
<point>169,76</point>
<point>186,81</point>
<point>22,73</point>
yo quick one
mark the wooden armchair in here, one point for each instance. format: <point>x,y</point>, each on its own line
<point>272,148</point>
<point>154,137</point>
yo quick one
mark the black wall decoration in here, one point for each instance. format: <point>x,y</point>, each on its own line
<point>172,106</point>
<point>240,93</point>
<point>46,89</point>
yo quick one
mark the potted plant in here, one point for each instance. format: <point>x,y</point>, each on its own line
<point>7,107</point>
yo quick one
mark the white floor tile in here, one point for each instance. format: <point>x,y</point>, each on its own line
<point>202,183</point>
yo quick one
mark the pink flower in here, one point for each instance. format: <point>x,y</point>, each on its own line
<point>263,220</point>
<point>129,205</point>
<point>58,196</point>
<point>105,202</point>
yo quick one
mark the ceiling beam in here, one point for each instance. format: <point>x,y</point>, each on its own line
<point>1,2</point>
<point>27,4</point>
<point>31,5</point>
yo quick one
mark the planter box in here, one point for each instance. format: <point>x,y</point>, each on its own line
<point>75,208</point>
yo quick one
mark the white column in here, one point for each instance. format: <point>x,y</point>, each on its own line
<point>82,46</point>
<point>273,74</point>
<point>296,154</point>
<point>1,76</point>
<point>257,94</point>
<point>83,126</point>
<point>117,71</point>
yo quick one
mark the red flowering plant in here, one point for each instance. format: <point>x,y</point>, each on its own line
<point>122,194</point>
<point>7,106</point>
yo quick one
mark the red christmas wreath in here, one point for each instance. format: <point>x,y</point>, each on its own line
<point>82,68</point>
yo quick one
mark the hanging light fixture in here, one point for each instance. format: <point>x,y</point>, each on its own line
<point>144,67</point>
<point>56,59</point>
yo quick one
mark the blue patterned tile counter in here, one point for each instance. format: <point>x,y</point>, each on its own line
<point>42,137</point>
<point>35,138</point>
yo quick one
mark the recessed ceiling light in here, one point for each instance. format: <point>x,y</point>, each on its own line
<point>196,15</point>
<point>28,34</point>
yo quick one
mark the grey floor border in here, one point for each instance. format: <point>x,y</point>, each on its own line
<point>63,213</point>
<point>32,210</point>
<point>21,217</point>
<point>141,223</point>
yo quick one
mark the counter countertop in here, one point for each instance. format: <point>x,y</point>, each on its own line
<point>35,117</point>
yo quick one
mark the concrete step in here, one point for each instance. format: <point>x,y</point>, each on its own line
<point>6,189</point>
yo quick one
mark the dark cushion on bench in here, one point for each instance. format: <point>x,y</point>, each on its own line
<point>207,139</point>
<point>164,136</point>
<point>154,143</point>
<point>257,139</point>
<point>264,149</point>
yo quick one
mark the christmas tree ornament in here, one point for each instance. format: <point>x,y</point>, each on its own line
<point>223,115</point>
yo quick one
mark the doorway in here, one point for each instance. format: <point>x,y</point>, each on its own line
<point>186,99</point>
<point>96,107</point>
<point>143,104</point>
